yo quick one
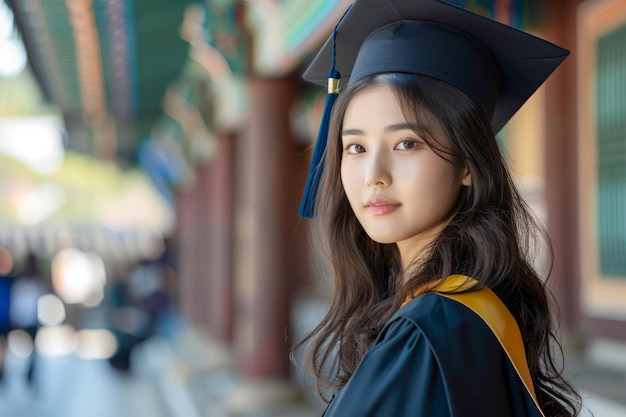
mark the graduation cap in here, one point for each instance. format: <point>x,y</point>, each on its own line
<point>497,66</point>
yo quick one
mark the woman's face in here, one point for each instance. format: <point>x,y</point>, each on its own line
<point>400,190</point>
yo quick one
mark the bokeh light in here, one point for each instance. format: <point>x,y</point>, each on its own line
<point>20,343</point>
<point>78,277</point>
<point>95,344</point>
<point>50,310</point>
<point>56,341</point>
<point>11,49</point>
<point>40,144</point>
<point>94,298</point>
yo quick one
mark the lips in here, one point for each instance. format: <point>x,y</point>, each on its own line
<point>379,206</point>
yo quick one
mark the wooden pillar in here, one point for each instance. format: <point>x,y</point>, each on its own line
<point>561,156</point>
<point>265,217</point>
<point>205,245</point>
<point>189,282</point>
<point>264,153</point>
<point>215,190</point>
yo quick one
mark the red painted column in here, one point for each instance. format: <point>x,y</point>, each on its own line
<point>263,219</point>
<point>205,240</point>
<point>215,191</point>
<point>189,281</point>
<point>561,156</point>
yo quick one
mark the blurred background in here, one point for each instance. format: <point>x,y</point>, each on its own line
<point>152,158</point>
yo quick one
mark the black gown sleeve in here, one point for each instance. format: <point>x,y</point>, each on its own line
<point>434,358</point>
<point>398,377</point>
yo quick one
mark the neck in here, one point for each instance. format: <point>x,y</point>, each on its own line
<point>413,251</point>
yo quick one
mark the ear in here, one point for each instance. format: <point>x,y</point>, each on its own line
<point>467,176</point>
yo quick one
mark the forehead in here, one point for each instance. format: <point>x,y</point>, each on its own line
<point>384,102</point>
<point>374,103</point>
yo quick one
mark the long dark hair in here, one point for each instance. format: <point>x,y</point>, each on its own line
<point>492,238</point>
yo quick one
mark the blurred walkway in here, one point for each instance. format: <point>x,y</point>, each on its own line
<point>71,387</point>
<point>185,375</point>
<point>204,372</point>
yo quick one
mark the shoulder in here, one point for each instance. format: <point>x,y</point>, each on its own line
<point>462,346</point>
<point>435,315</point>
<point>460,341</point>
<point>425,306</point>
<point>421,364</point>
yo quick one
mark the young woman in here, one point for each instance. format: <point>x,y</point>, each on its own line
<point>437,309</point>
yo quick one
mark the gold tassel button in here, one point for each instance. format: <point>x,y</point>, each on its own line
<point>333,85</point>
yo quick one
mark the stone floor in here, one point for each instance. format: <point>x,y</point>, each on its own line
<point>191,376</point>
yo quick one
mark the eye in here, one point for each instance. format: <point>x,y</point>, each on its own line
<point>407,145</point>
<point>354,148</point>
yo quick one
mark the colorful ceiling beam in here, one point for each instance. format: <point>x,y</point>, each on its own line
<point>43,55</point>
<point>286,32</point>
<point>88,58</point>
<point>305,20</point>
<point>108,63</point>
<point>105,63</point>
<point>120,57</point>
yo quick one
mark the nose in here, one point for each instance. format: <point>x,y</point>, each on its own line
<point>377,173</point>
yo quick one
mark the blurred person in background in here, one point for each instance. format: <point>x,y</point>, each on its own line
<point>158,277</point>
<point>28,287</point>
<point>131,312</point>
<point>6,280</point>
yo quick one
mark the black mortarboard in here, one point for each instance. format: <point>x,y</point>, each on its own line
<point>497,66</point>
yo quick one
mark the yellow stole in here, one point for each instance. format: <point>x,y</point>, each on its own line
<point>486,304</point>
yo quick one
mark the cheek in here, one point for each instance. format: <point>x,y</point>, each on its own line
<point>350,181</point>
<point>438,183</point>
<point>347,177</point>
<point>347,180</point>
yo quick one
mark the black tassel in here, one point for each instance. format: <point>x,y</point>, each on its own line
<point>307,204</point>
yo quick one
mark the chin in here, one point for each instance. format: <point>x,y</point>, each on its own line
<point>381,238</point>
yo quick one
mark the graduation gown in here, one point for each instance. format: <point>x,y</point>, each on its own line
<point>434,358</point>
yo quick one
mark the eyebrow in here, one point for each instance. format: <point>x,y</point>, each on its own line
<point>391,128</point>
